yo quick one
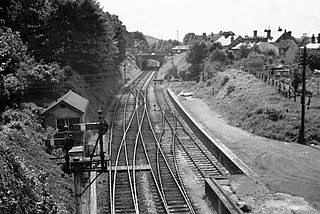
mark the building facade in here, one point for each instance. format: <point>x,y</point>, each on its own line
<point>67,110</point>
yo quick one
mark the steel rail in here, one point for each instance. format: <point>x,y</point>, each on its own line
<point>148,159</point>
<point>174,135</point>
<point>112,198</point>
<point>123,145</point>
<point>198,146</point>
<point>219,168</point>
<point>183,193</point>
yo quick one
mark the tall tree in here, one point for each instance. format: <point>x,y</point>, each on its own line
<point>196,57</point>
<point>197,53</point>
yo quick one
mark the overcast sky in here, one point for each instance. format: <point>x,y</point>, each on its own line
<point>163,18</point>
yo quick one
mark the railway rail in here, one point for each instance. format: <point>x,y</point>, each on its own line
<point>202,162</point>
<point>137,163</point>
<point>143,172</point>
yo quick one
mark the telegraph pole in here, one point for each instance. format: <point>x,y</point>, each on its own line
<point>101,138</point>
<point>124,72</point>
<point>301,138</point>
<point>2,98</point>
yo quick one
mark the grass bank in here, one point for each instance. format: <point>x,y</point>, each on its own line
<point>248,103</point>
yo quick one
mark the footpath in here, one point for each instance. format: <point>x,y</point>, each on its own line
<point>289,172</point>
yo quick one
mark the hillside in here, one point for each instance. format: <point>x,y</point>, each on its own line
<point>247,102</point>
<point>30,181</point>
<point>287,172</point>
<point>99,89</point>
<point>151,40</point>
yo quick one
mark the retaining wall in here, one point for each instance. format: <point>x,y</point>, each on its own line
<point>222,203</point>
<point>224,155</point>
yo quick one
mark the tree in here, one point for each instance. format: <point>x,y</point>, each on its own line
<point>136,35</point>
<point>196,57</point>
<point>219,56</point>
<point>255,60</point>
<point>313,60</point>
<point>22,72</point>
<point>214,46</point>
<point>244,51</point>
<point>297,79</point>
<point>188,37</point>
<point>197,53</point>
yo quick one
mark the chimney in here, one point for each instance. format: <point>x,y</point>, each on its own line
<point>313,39</point>
<point>289,34</point>
<point>255,33</point>
<point>319,38</point>
<point>232,39</point>
<point>269,34</point>
<point>204,35</point>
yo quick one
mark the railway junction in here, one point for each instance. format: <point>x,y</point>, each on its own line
<point>140,159</point>
<point>158,159</point>
<point>144,163</point>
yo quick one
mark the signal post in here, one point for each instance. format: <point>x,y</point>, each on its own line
<point>77,161</point>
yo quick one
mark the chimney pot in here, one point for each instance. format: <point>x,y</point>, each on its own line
<point>313,39</point>
<point>255,33</point>
<point>232,39</point>
<point>269,34</point>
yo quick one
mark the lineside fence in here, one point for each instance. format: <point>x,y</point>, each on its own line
<point>282,87</point>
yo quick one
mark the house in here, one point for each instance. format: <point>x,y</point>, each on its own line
<point>256,38</point>
<point>179,49</point>
<point>288,49</point>
<point>314,45</point>
<point>227,41</point>
<point>67,110</point>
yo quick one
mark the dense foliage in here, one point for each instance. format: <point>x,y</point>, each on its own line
<point>313,60</point>
<point>46,45</point>
<point>196,57</point>
<point>163,46</point>
<point>42,38</point>
<point>29,180</point>
<point>22,74</point>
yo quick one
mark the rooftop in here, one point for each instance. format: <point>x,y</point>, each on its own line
<point>181,47</point>
<point>73,100</point>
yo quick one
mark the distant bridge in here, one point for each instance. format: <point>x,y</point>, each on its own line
<point>141,59</point>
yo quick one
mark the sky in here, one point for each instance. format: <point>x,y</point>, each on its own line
<point>173,19</point>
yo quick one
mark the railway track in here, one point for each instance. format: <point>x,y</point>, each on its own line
<point>123,144</point>
<point>202,162</point>
<point>143,172</point>
<point>142,178</point>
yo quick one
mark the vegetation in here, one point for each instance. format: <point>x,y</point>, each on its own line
<point>46,48</point>
<point>42,40</point>
<point>246,101</point>
<point>29,181</point>
<point>313,60</point>
<point>196,56</point>
<point>255,60</point>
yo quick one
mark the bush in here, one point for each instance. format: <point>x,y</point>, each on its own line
<point>219,56</point>
<point>255,60</point>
